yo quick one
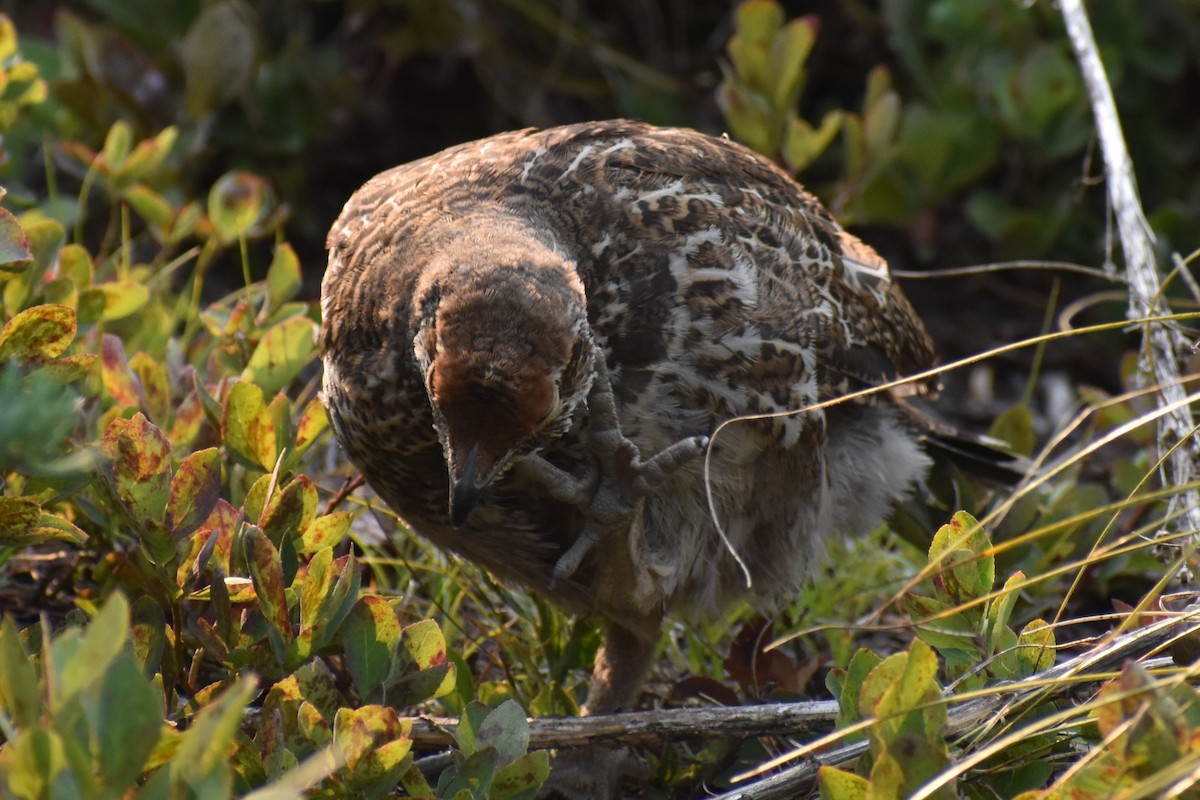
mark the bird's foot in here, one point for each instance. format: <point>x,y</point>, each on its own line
<point>610,495</point>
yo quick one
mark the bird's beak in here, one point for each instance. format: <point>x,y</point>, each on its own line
<point>466,487</point>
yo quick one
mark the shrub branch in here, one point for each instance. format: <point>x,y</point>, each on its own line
<point>1162,344</point>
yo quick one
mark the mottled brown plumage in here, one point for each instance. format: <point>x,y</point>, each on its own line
<point>516,327</point>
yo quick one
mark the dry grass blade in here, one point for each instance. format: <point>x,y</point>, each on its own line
<point>1061,681</point>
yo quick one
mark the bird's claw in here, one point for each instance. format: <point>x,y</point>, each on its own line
<point>609,495</point>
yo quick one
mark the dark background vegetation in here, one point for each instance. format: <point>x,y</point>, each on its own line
<point>993,159</point>
<point>944,132</point>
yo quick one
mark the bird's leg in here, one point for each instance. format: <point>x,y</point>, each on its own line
<point>621,666</point>
<point>611,496</point>
<point>595,771</point>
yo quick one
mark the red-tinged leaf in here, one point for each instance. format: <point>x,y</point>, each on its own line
<point>15,255</point>
<point>290,511</point>
<point>372,739</point>
<point>315,584</point>
<point>266,572</point>
<point>760,670</point>
<point>369,637</point>
<point>420,670</point>
<point>189,416</point>
<point>313,422</point>
<point>522,776</point>
<point>223,521</point>
<point>148,632</point>
<point>312,726</point>
<point>195,490</point>
<point>156,386</point>
<point>248,429</point>
<point>325,531</point>
<point>52,526</point>
<point>70,368</point>
<point>38,334</point>
<point>118,379</point>
<point>146,157</point>
<point>139,466</point>
<point>18,517</point>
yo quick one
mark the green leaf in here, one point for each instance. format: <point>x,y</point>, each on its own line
<point>139,466</point>
<point>150,206</point>
<point>194,492</point>
<point>36,766</point>
<point>369,637</point>
<point>23,523</point>
<point>284,350</point>
<point>802,143</point>
<point>960,554</point>
<point>39,333</point>
<point>237,203</point>
<point>506,730</point>
<point>116,145</point>
<point>757,22</point>
<point>20,697</point>
<point>1000,610</point>
<point>1015,427</point>
<point>218,54</point>
<point>82,664</point>
<point>1035,648</point>
<point>283,276</point>
<point>75,264</point>
<point>248,429</point>
<point>790,49</point>
<point>125,718</point>
<point>201,762</point>
<point>943,626</point>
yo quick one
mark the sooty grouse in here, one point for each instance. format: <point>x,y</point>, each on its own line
<point>529,340</point>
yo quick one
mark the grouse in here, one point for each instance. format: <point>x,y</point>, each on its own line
<point>585,357</point>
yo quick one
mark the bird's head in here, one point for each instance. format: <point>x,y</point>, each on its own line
<point>507,359</point>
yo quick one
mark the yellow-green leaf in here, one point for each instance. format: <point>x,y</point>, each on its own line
<point>284,350</point>
<point>38,334</point>
<point>104,302</point>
